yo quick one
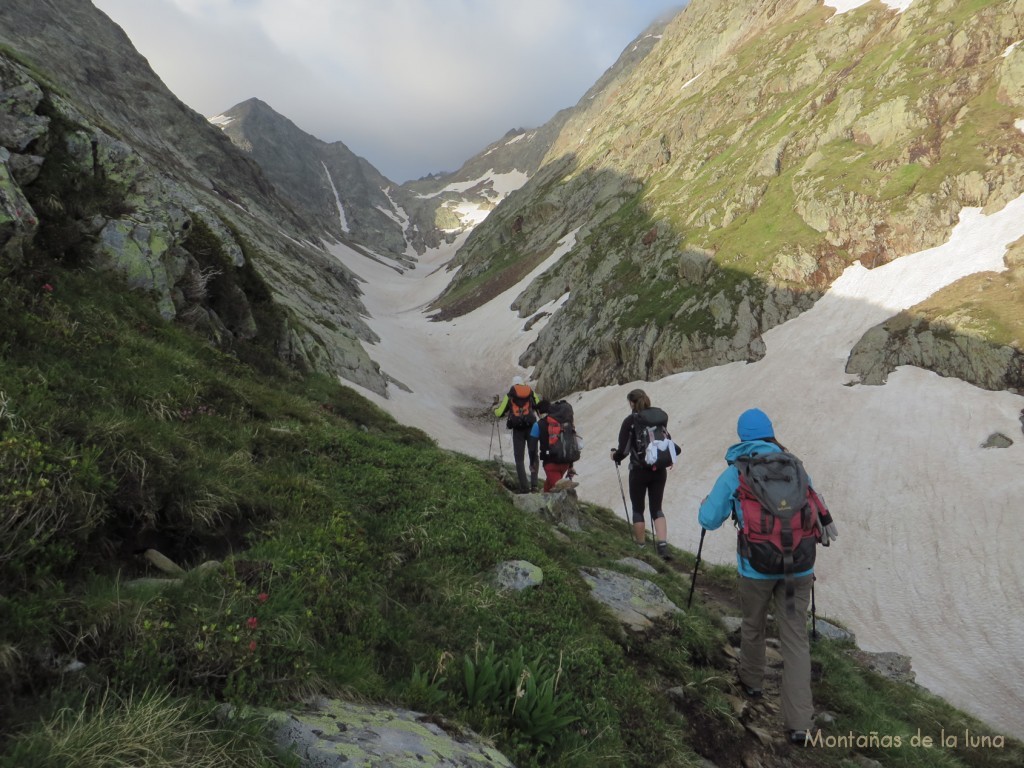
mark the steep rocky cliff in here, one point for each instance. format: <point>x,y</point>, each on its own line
<point>342,194</point>
<point>732,174</point>
<point>102,164</point>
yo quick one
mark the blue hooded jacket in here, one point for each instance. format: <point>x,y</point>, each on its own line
<point>719,504</point>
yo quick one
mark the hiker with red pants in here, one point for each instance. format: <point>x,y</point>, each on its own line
<point>775,559</point>
<point>520,403</point>
<point>558,469</point>
<point>644,480</point>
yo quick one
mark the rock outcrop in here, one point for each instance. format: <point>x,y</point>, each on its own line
<point>909,340</point>
<point>334,733</point>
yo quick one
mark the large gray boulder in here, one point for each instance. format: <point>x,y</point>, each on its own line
<point>518,575</point>
<point>339,734</point>
<point>636,603</point>
<point>560,508</point>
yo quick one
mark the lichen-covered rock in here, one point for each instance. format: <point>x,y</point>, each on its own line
<point>560,508</point>
<point>338,734</point>
<point>137,252</point>
<point>20,95</point>
<point>634,602</point>
<point>18,221</point>
<point>518,575</point>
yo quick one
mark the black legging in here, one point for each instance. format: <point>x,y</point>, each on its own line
<point>650,482</point>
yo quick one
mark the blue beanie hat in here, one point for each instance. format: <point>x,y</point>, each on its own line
<point>754,424</point>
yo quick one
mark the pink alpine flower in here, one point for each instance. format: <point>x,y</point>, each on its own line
<point>252,622</point>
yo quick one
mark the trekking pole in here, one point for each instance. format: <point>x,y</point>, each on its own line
<point>814,617</point>
<point>629,524</point>
<point>696,565</point>
<point>490,446</point>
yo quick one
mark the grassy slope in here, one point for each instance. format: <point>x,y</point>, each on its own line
<point>357,555</point>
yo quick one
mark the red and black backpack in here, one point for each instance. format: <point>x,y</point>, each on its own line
<point>562,445</point>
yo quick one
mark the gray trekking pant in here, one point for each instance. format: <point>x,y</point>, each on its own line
<point>755,597</point>
<point>521,441</point>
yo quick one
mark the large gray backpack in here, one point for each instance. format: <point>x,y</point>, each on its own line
<point>563,443</point>
<point>781,515</point>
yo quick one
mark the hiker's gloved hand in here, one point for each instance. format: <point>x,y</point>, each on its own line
<point>617,457</point>
<point>830,534</point>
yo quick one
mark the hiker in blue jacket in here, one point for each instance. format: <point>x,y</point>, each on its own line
<point>757,437</point>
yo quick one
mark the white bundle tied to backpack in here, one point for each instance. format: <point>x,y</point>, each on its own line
<point>654,447</point>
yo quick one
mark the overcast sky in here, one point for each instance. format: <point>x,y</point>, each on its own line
<point>414,86</point>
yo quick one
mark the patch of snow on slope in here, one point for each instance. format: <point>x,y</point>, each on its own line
<point>1010,48</point>
<point>645,37</point>
<point>691,81</point>
<point>1019,125</point>
<point>503,183</point>
<point>390,214</point>
<point>448,365</point>
<point>221,121</point>
<point>842,6</point>
<point>337,200</point>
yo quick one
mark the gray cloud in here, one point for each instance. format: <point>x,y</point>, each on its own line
<point>413,86</point>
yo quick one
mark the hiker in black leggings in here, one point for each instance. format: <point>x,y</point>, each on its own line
<point>519,404</point>
<point>642,479</point>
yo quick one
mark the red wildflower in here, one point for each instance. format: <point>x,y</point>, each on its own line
<point>263,597</point>
<point>252,646</point>
<point>47,287</point>
<point>252,622</point>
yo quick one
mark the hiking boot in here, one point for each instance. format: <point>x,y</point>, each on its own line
<point>663,552</point>
<point>565,484</point>
<point>798,738</point>
<point>754,693</point>
<point>640,544</point>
